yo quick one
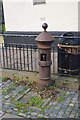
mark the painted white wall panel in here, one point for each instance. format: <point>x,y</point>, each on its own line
<point>22,15</point>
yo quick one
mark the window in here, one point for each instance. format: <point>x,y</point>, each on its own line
<point>37,2</point>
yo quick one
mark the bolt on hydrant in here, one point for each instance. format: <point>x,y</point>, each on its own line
<point>44,40</point>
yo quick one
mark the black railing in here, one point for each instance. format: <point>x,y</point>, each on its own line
<point>19,57</point>
<point>23,57</point>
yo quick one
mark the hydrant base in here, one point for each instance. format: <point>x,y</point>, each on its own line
<point>42,84</point>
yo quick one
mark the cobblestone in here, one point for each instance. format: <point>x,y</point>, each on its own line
<point>57,107</point>
<point>71,104</point>
<point>25,92</point>
<point>7,96</point>
<point>11,106</point>
<point>59,116</point>
<point>73,111</point>
<point>55,111</point>
<point>14,113</point>
<point>72,116</point>
<point>28,113</point>
<point>35,109</point>
<point>50,110</point>
<point>34,114</point>
<point>28,116</point>
<point>53,115</point>
<point>51,102</point>
<point>19,97</point>
<point>46,102</point>
<point>9,110</point>
<point>1,114</point>
<point>40,115</point>
<point>67,108</point>
<point>60,113</point>
<point>67,93</point>
<point>22,114</point>
<point>15,109</point>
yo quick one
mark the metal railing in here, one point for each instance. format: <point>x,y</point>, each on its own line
<point>23,57</point>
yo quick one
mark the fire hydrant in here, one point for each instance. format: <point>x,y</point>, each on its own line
<point>44,40</point>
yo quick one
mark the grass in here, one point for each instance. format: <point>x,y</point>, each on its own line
<point>15,84</point>
<point>4,91</point>
<point>30,83</point>
<point>37,101</point>
<point>61,98</point>
<point>79,107</point>
<point>4,79</point>
<point>20,91</point>
<point>65,82</point>
<point>1,39</point>
<point>24,110</point>
<point>12,100</point>
<point>19,80</point>
<point>21,106</point>
<point>11,88</point>
<point>25,88</point>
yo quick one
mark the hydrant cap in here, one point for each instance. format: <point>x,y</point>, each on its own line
<point>44,36</point>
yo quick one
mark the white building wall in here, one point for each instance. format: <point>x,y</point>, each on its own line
<point>22,15</point>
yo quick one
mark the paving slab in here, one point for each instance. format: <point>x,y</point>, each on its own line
<point>7,96</point>
<point>50,110</point>
<point>10,116</point>
<point>28,96</point>
<point>22,114</point>
<point>28,116</point>
<point>46,102</point>
<point>19,97</point>
<point>9,111</point>
<point>25,92</point>
<point>35,108</point>
<point>34,113</point>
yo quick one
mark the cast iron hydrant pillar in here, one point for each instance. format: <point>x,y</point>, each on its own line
<point>44,40</point>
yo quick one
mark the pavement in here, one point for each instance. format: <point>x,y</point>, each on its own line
<point>15,100</point>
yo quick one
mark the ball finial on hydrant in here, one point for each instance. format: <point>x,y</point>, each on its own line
<point>44,26</point>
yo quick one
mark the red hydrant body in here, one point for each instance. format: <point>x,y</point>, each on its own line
<point>44,40</point>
